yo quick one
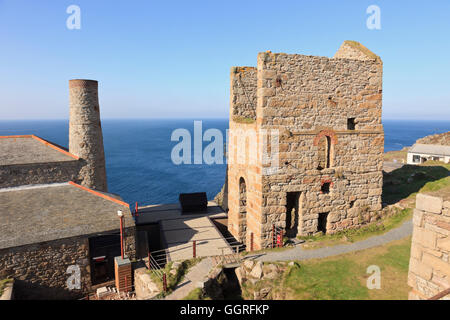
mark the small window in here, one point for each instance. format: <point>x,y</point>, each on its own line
<point>351,124</point>
<point>416,158</point>
<point>325,187</point>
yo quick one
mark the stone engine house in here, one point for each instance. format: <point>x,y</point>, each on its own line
<point>321,117</point>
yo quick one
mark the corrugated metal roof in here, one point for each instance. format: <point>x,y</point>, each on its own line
<point>432,149</point>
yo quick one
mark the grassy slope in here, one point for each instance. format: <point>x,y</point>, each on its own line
<point>3,284</point>
<point>196,294</point>
<point>399,156</point>
<point>406,182</point>
<point>353,235</point>
<point>173,280</point>
<point>344,277</point>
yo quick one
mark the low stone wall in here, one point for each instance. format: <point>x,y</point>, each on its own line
<point>144,287</point>
<point>429,267</point>
<point>39,173</point>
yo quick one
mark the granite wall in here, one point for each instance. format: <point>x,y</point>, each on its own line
<point>429,266</point>
<point>39,173</point>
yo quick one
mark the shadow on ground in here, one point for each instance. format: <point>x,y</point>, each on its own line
<point>401,183</point>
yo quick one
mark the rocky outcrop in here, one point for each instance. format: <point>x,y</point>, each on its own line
<point>145,287</point>
<point>442,139</point>
<point>222,197</point>
<point>258,277</point>
<point>253,271</point>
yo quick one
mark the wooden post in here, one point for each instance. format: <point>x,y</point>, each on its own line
<point>164,282</point>
<point>273,235</point>
<point>194,249</point>
<point>251,241</point>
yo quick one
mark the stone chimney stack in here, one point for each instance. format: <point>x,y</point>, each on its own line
<point>85,133</point>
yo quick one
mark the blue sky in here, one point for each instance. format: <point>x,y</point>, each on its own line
<point>172,58</point>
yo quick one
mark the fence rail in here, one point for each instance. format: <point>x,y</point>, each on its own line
<point>440,295</point>
<point>157,260</point>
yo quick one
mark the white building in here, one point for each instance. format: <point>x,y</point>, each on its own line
<point>419,153</point>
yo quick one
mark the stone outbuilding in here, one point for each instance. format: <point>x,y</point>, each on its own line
<point>59,228</point>
<point>305,144</point>
<point>50,232</point>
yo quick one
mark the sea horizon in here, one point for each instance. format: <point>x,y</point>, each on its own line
<point>138,152</point>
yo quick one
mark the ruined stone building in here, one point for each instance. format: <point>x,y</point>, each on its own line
<point>322,118</point>
<point>55,211</point>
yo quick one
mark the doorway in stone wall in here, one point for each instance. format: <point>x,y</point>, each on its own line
<point>242,210</point>
<point>322,223</point>
<point>293,212</point>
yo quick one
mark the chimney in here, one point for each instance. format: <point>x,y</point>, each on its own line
<point>85,133</point>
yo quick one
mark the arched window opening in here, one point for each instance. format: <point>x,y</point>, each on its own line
<point>242,196</point>
<point>324,147</point>
<point>242,209</point>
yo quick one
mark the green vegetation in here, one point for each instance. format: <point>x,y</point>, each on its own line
<point>240,119</point>
<point>345,277</point>
<point>172,279</point>
<point>196,294</point>
<point>353,235</point>
<point>406,182</point>
<point>3,284</point>
<point>342,277</point>
<point>399,156</point>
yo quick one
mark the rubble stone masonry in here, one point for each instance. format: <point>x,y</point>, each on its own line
<point>85,133</point>
<point>40,269</point>
<point>429,266</point>
<point>39,173</point>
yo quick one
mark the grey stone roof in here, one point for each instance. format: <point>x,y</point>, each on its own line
<point>34,214</point>
<point>432,149</point>
<point>30,149</point>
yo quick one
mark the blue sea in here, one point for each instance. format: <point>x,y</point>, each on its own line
<point>138,153</point>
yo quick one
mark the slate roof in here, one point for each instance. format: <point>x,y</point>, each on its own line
<point>33,214</point>
<point>29,149</point>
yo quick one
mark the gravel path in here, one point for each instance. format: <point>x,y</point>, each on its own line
<point>298,253</point>
<point>192,280</point>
